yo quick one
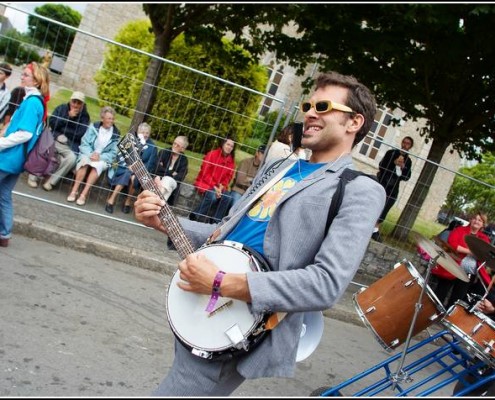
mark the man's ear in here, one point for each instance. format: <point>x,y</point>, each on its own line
<point>355,123</point>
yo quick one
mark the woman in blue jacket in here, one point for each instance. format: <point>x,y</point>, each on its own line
<point>97,151</point>
<point>24,127</point>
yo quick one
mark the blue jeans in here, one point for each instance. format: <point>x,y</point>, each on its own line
<point>7,183</point>
<point>211,209</point>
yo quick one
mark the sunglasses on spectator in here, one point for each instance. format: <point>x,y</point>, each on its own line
<point>323,106</point>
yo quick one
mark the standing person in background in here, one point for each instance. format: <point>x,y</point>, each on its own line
<point>22,133</point>
<point>68,122</point>
<point>172,166</point>
<point>247,170</point>
<point>124,177</point>
<point>394,167</point>
<point>16,96</point>
<point>217,170</point>
<point>310,267</point>
<point>97,151</point>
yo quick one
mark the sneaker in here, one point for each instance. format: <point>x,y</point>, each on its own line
<point>47,186</point>
<point>126,209</point>
<point>32,181</point>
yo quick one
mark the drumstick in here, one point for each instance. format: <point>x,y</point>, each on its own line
<point>485,295</point>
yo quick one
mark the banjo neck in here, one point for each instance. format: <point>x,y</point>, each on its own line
<point>167,217</point>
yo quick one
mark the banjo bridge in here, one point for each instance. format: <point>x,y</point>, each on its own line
<point>221,308</point>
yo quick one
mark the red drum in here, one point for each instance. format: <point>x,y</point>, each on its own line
<point>474,329</point>
<point>388,305</point>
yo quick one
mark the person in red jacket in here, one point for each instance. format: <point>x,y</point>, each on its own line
<point>215,174</point>
<point>466,260</point>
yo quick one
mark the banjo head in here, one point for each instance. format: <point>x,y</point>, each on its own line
<point>207,331</point>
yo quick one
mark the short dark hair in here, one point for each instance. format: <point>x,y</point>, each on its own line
<point>285,135</point>
<point>359,98</point>
<point>6,68</point>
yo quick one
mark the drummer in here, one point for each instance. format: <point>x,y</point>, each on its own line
<point>467,262</point>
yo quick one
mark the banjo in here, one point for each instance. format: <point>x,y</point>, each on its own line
<point>230,327</point>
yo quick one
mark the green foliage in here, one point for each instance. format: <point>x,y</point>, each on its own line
<point>262,128</point>
<point>52,36</point>
<point>467,195</point>
<point>15,50</point>
<point>198,107</point>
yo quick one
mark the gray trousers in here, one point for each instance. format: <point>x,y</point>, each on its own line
<point>67,162</point>
<point>191,375</point>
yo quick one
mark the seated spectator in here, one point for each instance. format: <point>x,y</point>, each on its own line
<point>69,122</point>
<point>5,72</point>
<point>123,177</point>
<point>172,165</point>
<point>215,174</point>
<point>247,170</point>
<point>97,151</point>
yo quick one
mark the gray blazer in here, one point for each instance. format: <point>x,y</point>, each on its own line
<point>310,271</point>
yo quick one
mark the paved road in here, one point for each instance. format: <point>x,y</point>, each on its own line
<point>76,324</point>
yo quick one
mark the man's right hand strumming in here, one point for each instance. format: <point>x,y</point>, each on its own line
<point>146,210</point>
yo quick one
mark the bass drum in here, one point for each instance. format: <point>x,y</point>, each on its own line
<point>388,305</point>
<point>230,327</point>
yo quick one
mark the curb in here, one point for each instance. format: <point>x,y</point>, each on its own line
<point>80,242</point>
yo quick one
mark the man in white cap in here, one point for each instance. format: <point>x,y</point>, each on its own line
<point>69,122</point>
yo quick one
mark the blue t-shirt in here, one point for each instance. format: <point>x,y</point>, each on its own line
<point>251,229</point>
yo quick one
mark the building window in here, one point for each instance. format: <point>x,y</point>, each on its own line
<point>274,79</point>
<point>374,139</point>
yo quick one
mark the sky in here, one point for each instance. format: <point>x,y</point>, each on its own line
<point>19,19</point>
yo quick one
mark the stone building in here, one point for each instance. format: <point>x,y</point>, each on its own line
<point>101,21</point>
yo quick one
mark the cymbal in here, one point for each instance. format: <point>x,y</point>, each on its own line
<point>482,250</point>
<point>444,259</point>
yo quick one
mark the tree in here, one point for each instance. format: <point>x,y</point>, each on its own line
<point>467,195</point>
<point>433,61</point>
<point>205,23</point>
<point>55,37</point>
<point>177,107</point>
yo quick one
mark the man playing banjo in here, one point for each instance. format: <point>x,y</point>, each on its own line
<point>282,218</point>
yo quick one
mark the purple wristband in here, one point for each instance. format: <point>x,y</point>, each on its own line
<point>215,291</point>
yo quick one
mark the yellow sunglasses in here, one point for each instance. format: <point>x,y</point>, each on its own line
<point>323,106</point>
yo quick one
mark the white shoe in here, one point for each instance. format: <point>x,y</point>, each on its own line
<point>32,181</point>
<point>47,186</point>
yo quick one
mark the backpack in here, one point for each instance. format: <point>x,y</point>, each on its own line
<point>42,159</point>
<point>346,176</point>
